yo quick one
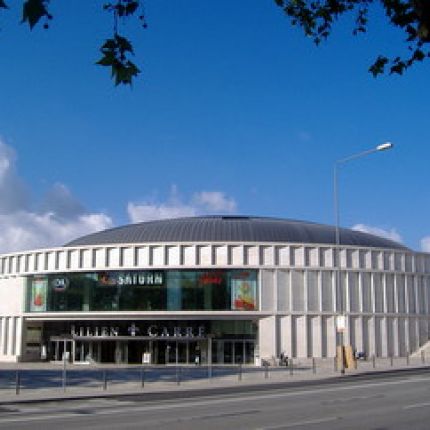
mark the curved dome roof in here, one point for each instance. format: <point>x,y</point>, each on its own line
<point>232,229</point>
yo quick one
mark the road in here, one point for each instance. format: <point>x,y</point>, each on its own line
<point>375,403</point>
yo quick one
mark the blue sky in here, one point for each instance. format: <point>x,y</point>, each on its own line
<point>235,112</point>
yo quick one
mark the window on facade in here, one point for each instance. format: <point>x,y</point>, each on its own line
<point>144,290</point>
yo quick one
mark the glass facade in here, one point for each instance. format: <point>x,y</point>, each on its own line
<point>170,290</point>
<point>160,342</point>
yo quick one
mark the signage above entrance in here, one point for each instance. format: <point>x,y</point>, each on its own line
<point>151,331</point>
<point>141,278</point>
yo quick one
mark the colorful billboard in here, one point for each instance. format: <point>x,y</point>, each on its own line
<point>243,295</point>
<point>39,289</point>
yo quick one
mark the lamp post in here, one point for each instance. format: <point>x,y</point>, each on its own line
<point>339,289</point>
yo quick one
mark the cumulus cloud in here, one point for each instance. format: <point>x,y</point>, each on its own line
<point>13,192</point>
<point>29,230</point>
<point>60,201</point>
<point>203,202</point>
<point>425,244</point>
<point>215,201</point>
<point>24,224</point>
<point>391,234</point>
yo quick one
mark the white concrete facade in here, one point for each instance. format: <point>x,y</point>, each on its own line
<point>386,292</point>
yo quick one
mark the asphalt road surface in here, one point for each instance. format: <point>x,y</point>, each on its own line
<point>400,401</point>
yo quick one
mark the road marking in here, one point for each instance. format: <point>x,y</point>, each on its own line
<point>210,400</point>
<point>301,423</point>
<point>417,405</point>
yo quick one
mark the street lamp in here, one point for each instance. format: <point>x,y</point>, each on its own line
<point>339,289</point>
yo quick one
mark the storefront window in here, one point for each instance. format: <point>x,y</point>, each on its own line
<point>144,290</point>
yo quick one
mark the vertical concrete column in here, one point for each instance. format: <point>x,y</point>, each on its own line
<point>395,337</point>
<point>358,333</point>
<point>316,326</point>
<point>2,335</point>
<point>19,337</point>
<point>286,335</point>
<point>11,337</point>
<point>267,337</point>
<point>302,336</point>
<point>371,336</point>
<point>347,333</point>
<point>383,337</point>
<point>401,323</point>
<point>413,334</point>
<point>331,336</point>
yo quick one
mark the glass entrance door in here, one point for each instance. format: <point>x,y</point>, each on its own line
<point>233,351</point>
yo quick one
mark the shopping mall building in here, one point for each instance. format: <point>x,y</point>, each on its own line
<point>215,289</point>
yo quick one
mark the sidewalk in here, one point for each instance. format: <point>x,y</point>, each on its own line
<point>84,382</point>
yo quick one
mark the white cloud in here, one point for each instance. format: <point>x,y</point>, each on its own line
<point>203,202</point>
<point>387,234</point>
<point>215,201</point>
<point>28,230</point>
<point>13,192</point>
<point>147,212</point>
<point>425,244</point>
<point>59,218</point>
<point>61,202</point>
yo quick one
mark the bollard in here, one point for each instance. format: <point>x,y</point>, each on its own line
<point>391,361</point>
<point>291,366</point>
<point>142,376</point>
<point>423,357</point>
<point>17,383</point>
<point>266,370</point>
<point>407,359</point>
<point>374,361</point>
<point>239,374</point>
<point>314,366</point>
<point>335,364</point>
<point>104,380</point>
<point>210,371</point>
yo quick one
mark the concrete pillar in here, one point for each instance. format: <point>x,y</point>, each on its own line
<point>301,336</point>
<point>395,348</point>
<point>267,337</point>
<point>11,337</point>
<point>407,343</point>
<point>316,330</point>
<point>383,336</point>
<point>413,334</point>
<point>330,336</point>
<point>286,335</point>
<point>371,329</point>
<point>3,336</point>
<point>347,333</point>
<point>19,337</point>
<point>358,333</point>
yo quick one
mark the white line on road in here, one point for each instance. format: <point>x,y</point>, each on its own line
<point>417,405</point>
<point>210,401</point>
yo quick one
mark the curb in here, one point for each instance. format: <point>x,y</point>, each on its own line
<point>171,392</point>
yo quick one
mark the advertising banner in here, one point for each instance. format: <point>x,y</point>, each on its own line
<point>243,295</point>
<point>39,290</point>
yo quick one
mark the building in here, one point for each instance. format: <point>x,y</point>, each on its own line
<point>214,289</point>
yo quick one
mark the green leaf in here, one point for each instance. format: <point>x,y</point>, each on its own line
<point>32,11</point>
